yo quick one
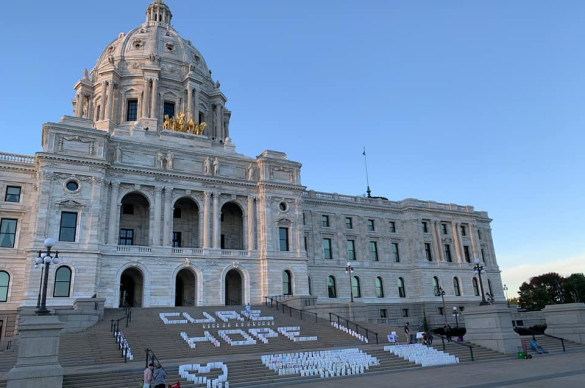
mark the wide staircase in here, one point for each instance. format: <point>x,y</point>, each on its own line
<point>92,359</point>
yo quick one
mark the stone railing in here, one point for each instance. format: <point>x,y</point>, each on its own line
<point>133,248</point>
<point>17,158</point>
<point>409,202</point>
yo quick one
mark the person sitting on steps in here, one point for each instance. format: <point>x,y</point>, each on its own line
<point>535,346</point>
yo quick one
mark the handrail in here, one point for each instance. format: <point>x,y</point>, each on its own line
<point>290,309</point>
<point>150,356</point>
<point>115,329</point>
<point>457,343</point>
<point>357,326</point>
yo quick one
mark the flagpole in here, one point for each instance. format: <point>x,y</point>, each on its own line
<point>368,191</point>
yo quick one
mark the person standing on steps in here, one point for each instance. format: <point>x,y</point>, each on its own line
<point>407,332</point>
<point>147,379</point>
<point>160,377</point>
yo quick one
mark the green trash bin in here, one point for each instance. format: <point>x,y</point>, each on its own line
<point>520,355</point>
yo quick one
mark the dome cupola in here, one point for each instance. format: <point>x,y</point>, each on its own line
<point>158,12</point>
<point>147,74</point>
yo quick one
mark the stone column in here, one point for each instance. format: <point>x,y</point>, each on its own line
<point>566,321</point>
<point>216,220</point>
<point>456,228</point>
<point>146,95</point>
<point>491,327</point>
<point>195,105</point>
<point>436,234</point>
<point>251,242</point>
<point>157,213</point>
<point>103,109</point>
<point>114,215</point>
<point>167,216</point>
<point>189,103</point>
<point>205,226</point>
<point>110,101</point>
<point>475,250</point>
<point>78,104</point>
<point>37,364</point>
<point>153,105</point>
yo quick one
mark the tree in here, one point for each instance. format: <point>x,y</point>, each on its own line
<point>541,290</point>
<point>574,288</point>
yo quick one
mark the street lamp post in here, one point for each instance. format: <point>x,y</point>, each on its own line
<point>506,293</point>
<point>441,293</point>
<point>456,315</point>
<point>40,284</point>
<point>478,270</point>
<point>349,271</point>
<point>46,259</point>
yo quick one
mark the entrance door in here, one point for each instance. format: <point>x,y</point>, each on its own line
<point>185,288</point>
<point>131,287</point>
<point>233,288</point>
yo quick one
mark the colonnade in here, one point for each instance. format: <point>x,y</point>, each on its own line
<point>209,218</point>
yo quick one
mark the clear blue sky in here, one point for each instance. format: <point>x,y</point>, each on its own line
<point>469,102</point>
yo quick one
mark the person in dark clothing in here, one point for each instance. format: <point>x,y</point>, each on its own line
<point>407,332</point>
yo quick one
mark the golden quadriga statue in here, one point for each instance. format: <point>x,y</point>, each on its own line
<point>179,123</point>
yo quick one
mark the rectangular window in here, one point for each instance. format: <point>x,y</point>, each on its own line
<point>126,236</point>
<point>448,253</point>
<point>374,251</point>
<point>371,226</point>
<point>177,212</point>
<point>463,230</point>
<point>444,229</point>
<point>283,239</point>
<point>68,226</point>
<point>7,232</point>
<point>304,219</point>
<point>425,227</point>
<point>12,194</point>
<point>350,250</point>
<point>482,255</point>
<point>132,111</point>
<point>327,248</point>
<point>383,313</point>
<point>169,109</point>
<point>392,226</point>
<point>404,313</point>
<point>479,234</point>
<point>177,239</point>
<point>348,223</point>
<point>466,253</point>
<point>441,311</point>
<point>395,253</point>
<point>428,252</point>
<point>325,221</point>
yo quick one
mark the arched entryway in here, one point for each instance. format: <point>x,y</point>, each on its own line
<point>233,288</point>
<point>186,224</point>
<point>134,220</point>
<point>232,227</point>
<point>185,288</point>
<point>131,287</point>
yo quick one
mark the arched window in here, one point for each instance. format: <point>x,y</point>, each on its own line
<point>435,285</point>
<point>379,288</point>
<point>286,283</point>
<point>355,287</point>
<point>401,289</point>
<point>310,287</point>
<point>4,283</point>
<point>475,287</point>
<point>331,289</point>
<point>456,287</point>
<point>62,282</point>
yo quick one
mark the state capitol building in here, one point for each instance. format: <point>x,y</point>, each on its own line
<point>149,202</point>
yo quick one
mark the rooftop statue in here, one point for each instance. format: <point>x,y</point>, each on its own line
<point>179,123</point>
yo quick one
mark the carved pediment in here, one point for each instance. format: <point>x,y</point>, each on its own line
<point>70,204</point>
